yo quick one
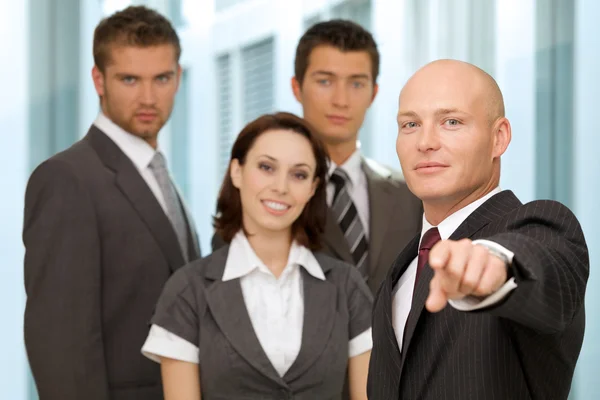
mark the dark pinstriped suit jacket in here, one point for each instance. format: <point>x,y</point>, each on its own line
<point>526,347</point>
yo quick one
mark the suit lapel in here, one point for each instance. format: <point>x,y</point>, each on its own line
<point>319,317</point>
<point>382,312</point>
<point>133,186</point>
<point>382,204</point>
<point>335,240</point>
<point>227,306</point>
<point>193,245</point>
<point>494,207</point>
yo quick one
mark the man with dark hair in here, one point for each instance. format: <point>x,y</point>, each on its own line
<point>104,225</point>
<point>372,213</point>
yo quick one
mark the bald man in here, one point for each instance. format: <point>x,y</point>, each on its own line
<point>487,302</point>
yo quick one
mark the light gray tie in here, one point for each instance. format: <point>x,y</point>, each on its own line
<point>346,215</point>
<point>158,167</point>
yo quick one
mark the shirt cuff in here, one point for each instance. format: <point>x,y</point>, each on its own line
<point>472,303</point>
<point>360,344</point>
<point>162,343</point>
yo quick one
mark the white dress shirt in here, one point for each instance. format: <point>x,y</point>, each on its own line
<point>275,306</point>
<point>403,291</point>
<point>136,149</point>
<point>357,187</point>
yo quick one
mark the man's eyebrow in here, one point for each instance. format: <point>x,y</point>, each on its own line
<point>166,73</point>
<point>322,72</point>
<point>410,114</point>
<point>446,111</point>
<point>128,75</point>
<point>360,76</point>
<point>329,73</point>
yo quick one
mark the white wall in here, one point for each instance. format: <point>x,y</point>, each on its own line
<point>13,170</point>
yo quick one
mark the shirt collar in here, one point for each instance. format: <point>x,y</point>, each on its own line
<point>452,222</point>
<point>352,166</point>
<point>134,147</point>
<point>242,260</point>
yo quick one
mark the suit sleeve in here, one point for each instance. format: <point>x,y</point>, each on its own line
<point>177,309</point>
<point>63,329</point>
<point>550,266</point>
<point>360,303</point>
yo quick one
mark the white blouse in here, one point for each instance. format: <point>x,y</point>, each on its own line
<point>275,307</point>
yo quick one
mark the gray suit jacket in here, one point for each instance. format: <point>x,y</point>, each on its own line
<point>395,217</point>
<point>99,249</point>
<point>199,307</point>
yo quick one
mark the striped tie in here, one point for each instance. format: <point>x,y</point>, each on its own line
<point>347,218</point>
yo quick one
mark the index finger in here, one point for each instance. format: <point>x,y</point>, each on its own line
<point>439,255</point>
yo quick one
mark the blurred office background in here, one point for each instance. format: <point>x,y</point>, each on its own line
<point>238,61</point>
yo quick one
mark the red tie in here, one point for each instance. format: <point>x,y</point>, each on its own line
<point>430,238</point>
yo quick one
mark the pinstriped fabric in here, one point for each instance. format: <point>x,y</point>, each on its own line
<point>524,348</point>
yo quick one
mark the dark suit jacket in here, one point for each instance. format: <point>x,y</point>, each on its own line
<point>525,347</point>
<point>99,249</point>
<point>395,217</point>
<point>198,306</point>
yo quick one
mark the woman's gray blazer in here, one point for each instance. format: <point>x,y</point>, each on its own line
<point>199,307</point>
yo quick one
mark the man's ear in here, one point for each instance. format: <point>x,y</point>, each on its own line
<point>375,91</point>
<point>502,135</point>
<point>179,72</point>
<point>297,89</point>
<point>98,78</point>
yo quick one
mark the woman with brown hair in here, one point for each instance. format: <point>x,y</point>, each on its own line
<point>268,316</point>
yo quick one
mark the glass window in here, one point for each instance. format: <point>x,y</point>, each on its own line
<point>257,75</point>
<point>221,5</point>
<point>176,14</point>
<point>179,135</point>
<point>225,106</point>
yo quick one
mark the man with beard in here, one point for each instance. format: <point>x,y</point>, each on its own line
<point>104,226</point>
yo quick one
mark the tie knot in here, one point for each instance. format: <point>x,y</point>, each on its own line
<point>339,177</point>
<point>430,238</point>
<point>158,162</point>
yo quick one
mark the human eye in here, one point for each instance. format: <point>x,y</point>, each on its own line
<point>128,80</point>
<point>409,125</point>
<point>452,122</point>
<point>300,175</point>
<point>265,167</point>
<point>163,78</point>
